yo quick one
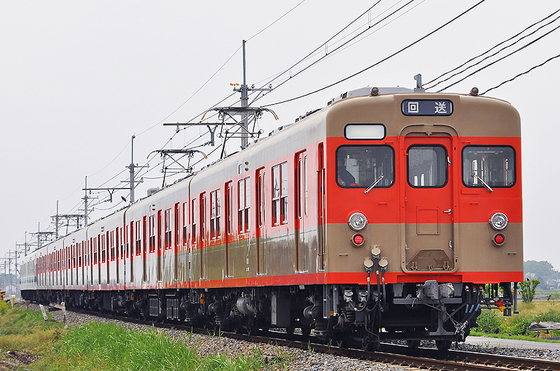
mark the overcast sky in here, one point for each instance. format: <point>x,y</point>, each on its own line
<point>78,79</point>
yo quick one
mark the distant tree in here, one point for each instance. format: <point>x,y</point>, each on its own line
<point>528,290</point>
<point>541,269</point>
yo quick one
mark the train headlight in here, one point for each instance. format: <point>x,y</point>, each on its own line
<point>357,221</point>
<point>498,221</point>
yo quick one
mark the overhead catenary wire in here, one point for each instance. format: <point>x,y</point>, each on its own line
<point>500,59</point>
<point>219,69</point>
<point>324,44</point>
<point>432,83</point>
<point>275,21</point>
<point>344,45</point>
<point>378,62</point>
<point>206,82</point>
<point>521,74</point>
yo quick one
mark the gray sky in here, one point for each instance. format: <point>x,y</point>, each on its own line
<point>78,79</point>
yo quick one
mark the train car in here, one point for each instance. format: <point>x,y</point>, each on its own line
<point>388,214</point>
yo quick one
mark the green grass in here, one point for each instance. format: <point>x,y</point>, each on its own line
<point>26,331</point>
<point>97,346</point>
<point>493,324</point>
<point>112,347</point>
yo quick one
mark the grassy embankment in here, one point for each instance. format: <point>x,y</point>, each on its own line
<point>94,346</point>
<point>492,323</point>
<point>98,346</point>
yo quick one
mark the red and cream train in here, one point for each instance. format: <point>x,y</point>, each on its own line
<point>388,214</point>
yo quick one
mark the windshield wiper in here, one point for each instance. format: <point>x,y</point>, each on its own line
<point>374,184</point>
<point>483,183</point>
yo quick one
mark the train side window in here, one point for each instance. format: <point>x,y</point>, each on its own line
<point>185,222</point>
<point>103,249</point>
<point>493,165</point>
<point>168,224</point>
<point>280,194</point>
<point>215,213</point>
<point>152,233</point>
<point>244,202</point>
<point>193,221</point>
<point>95,250</point>
<point>138,237</point>
<point>112,241</point>
<point>427,166</point>
<point>362,166</point>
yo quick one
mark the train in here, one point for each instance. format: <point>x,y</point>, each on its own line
<point>388,214</point>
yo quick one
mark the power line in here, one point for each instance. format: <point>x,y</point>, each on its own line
<point>500,59</point>
<point>521,74</point>
<point>380,61</point>
<point>344,43</point>
<point>427,84</point>
<point>376,30</point>
<point>270,25</point>
<point>219,69</point>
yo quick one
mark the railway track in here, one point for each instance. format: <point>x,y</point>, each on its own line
<point>426,359</point>
<point>388,354</point>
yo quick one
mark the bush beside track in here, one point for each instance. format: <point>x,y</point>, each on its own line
<point>492,323</point>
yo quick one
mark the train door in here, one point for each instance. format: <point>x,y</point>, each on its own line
<point>144,248</point>
<point>194,239</point>
<point>321,207</point>
<point>98,242</point>
<point>301,212</point>
<point>159,248</point>
<point>74,265</point>
<point>229,228</point>
<point>260,220</point>
<point>176,240</point>
<point>185,249</point>
<point>90,269</point>
<point>428,201</point>
<point>109,248</point>
<point>126,252</point>
<point>83,262</point>
<point>118,244</point>
<point>202,235</point>
<point>122,245</point>
<point>131,250</point>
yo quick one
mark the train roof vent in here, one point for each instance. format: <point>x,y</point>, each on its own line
<point>153,191</point>
<point>366,91</point>
<point>277,130</point>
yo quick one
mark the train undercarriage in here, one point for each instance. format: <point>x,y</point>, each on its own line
<point>344,315</point>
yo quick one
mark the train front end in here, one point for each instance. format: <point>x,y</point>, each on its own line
<point>423,215</point>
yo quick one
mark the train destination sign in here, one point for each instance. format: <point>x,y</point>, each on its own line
<point>427,107</point>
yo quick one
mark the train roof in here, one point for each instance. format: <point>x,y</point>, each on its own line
<point>337,108</point>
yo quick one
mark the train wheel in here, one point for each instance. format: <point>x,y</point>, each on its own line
<point>342,341</point>
<point>413,344</point>
<point>443,345</point>
<point>365,344</point>
<point>251,330</point>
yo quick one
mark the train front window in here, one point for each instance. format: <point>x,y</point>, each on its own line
<point>362,166</point>
<point>427,166</point>
<point>493,165</point>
